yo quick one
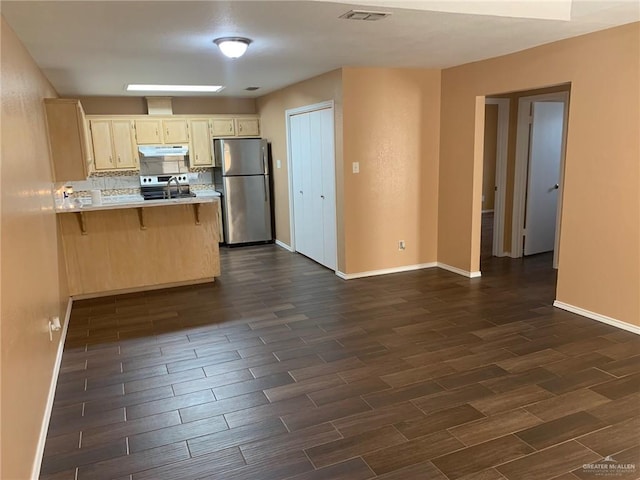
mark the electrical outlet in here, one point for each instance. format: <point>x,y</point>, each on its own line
<point>356,167</point>
<point>401,245</point>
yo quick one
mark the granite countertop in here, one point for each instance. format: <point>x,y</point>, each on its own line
<point>136,201</point>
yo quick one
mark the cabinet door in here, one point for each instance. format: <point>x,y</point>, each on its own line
<point>123,144</point>
<point>200,154</point>
<point>148,132</point>
<point>175,131</point>
<point>222,127</point>
<point>102,148</point>
<point>248,127</point>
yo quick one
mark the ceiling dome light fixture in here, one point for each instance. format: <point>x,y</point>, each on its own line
<point>232,47</point>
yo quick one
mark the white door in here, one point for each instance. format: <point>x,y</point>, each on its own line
<point>543,183</point>
<point>328,196</point>
<point>300,148</point>
<point>313,185</point>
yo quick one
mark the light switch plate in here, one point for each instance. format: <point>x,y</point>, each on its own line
<point>278,164</point>
<point>356,167</point>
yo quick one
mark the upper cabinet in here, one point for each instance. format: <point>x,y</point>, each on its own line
<point>247,127</point>
<point>68,139</point>
<point>235,127</point>
<point>113,144</point>
<point>175,131</point>
<point>222,127</point>
<point>200,153</point>
<point>160,131</point>
<point>148,131</point>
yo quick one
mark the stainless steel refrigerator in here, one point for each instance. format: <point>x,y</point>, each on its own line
<point>242,177</point>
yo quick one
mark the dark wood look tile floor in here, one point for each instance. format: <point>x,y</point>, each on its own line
<point>280,370</point>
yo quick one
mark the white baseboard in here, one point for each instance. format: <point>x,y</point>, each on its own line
<point>284,245</point>
<point>459,271</point>
<point>596,316</point>
<point>385,271</point>
<point>37,461</point>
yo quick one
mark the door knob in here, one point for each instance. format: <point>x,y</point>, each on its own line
<point>301,192</point>
<point>556,186</point>
<point>322,197</point>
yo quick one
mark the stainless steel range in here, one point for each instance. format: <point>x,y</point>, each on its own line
<point>157,187</point>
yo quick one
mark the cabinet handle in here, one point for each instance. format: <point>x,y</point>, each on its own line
<point>230,128</point>
<point>301,192</point>
<point>119,160</point>
<point>322,197</point>
<point>167,132</point>
<point>196,156</point>
<point>110,159</point>
<point>240,127</point>
<point>157,132</point>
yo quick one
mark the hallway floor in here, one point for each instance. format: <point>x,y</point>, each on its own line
<point>281,370</point>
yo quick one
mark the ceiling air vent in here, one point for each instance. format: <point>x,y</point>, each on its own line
<point>251,89</point>
<point>364,15</point>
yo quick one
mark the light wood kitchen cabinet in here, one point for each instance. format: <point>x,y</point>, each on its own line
<point>175,131</point>
<point>247,127</point>
<point>222,127</point>
<point>148,131</point>
<point>68,139</point>
<point>113,144</point>
<point>200,153</point>
<point>124,144</point>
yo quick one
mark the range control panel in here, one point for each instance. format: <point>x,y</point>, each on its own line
<point>154,180</point>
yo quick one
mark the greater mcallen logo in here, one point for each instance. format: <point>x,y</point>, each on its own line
<point>609,466</point>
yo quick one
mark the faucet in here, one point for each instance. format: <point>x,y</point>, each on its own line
<point>167,188</point>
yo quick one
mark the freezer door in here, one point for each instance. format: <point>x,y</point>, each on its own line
<point>246,156</point>
<point>247,211</point>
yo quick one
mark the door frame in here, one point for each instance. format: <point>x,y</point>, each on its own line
<point>523,135</point>
<point>329,104</point>
<point>502,144</point>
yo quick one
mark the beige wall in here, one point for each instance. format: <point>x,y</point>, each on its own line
<point>392,128</point>
<point>32,271</point>
<point>181,105</point>
<point>489,157</point>
<point>600,233</point>
<point>272,109</point>
<point>389,120</point>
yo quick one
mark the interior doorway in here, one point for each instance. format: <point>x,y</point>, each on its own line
<point>494,177</point>
<point>539,169</point>
<point>528,128</point>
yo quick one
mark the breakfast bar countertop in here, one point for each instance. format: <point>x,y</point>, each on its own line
<point>136,201</point>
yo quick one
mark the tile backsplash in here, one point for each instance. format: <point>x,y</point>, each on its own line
<point>127,183</point>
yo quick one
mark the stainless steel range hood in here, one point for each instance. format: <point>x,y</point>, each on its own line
<point>160,159</point>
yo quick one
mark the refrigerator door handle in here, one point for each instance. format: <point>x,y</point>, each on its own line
<point>264,158</point>
<point>266,188</point>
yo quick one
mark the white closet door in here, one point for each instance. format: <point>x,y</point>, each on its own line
<point>298,135</point>
<point>328,178</point>
<point>314,200</point>
<point>313,184</point>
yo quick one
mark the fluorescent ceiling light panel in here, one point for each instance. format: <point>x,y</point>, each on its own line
<point>133,87</point>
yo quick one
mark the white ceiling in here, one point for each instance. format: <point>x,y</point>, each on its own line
<point>97,47</point>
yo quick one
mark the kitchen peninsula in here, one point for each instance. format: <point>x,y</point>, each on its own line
<point>130,244</point>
